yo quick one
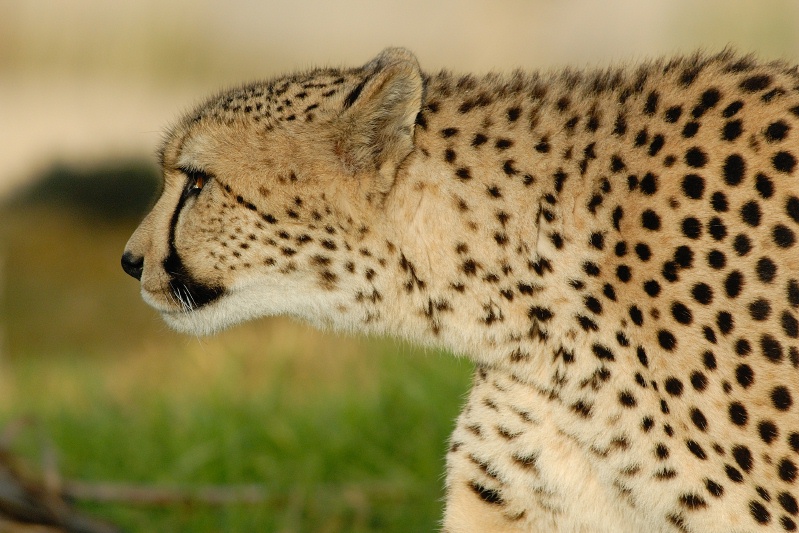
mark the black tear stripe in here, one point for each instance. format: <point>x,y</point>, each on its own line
<point>182,284</point>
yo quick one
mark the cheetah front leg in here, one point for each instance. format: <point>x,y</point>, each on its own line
<point>511,469</point>
<point>493,481</point>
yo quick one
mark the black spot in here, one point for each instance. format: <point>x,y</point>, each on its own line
<point>449,132</point>
<point>790,325</point>
<point>491,496</point>
<point>725,322</point>
<point>690,129</point>
<point>688,76</point>
<point>699,419</point>
<point>733,473</point>
<point>683,256</point>
<point>738,414</point>
<point>771,348</point>
<point>681,313</point>
<point>742,245</point>
<point>756,83</point>
<point>742,347</point>
<point>768,431</point>
<point>784,237</point>
<point>734,169</point>
<point>713,488</point>
<point>479,139</point>
<point>764,186</point>
<point>766,270</point>
<point>732,130</point>
<point>709,360</point>
<point>651,106</point>
<point>503,144</point>
<point>542,314</point>
<point>692,501</point>
<point>513,114</point>
<point>784,162</point>
<point>652,288</point>
<point>597,240</point>
<point>788,503</point>
<point>603,352</point>
<point>793,293</point>
<point>650,220</point>
<point>781,398</point>
<point>581,408</point>
<point>627,399</point>
<point>787,470</point>
<point>649,184</point>
<point>642,137</point>
<point>618,213</point>
<point>759,513</point>
<point>620,249</point>
<point>656,145</point>
<point>693,186</point>
<point>624,273</point>
<point>716,259</point>
<point>760,309</point>
<point>667,340</point>
<point>586,323</point>
<point>508,168</point>
<point>636,315</point>
<point>699,381</point>
<point>643,251</point>
<point>717,228</point>
<point>691,228</point>
<point>669,271</point>
<point>777,131</point>
<point>743,457</point>
<point>708,100</point>
<point>593,305</point>
<point>732,109</point>
<point>672,114</point>
<point>674,386</point>
<point>750,213</point>
<point>744,375</point>
<point>695,157</point>
<point>591,268</point>
<point>469,267</point>
<point>696,449</point>
<point>542,146</point>
<point>719,202</point>
<point>463,173</point>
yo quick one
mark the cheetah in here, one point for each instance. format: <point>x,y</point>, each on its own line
<point>615,250</point>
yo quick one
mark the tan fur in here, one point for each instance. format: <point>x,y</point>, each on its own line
<point>615,250</point>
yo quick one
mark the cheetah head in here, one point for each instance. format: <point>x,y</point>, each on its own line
<point>266,191</point>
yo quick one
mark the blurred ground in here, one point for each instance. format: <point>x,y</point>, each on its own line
<point>344,434</point>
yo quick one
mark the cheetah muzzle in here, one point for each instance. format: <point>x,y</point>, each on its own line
<point>615,250</point>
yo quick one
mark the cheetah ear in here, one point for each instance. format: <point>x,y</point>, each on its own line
<point>377,123</point>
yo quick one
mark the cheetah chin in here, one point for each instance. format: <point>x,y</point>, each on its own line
<point>615,250</point>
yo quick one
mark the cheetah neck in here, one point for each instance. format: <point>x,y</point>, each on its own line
<point>464,218</point>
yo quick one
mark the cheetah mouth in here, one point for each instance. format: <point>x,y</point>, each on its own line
<point>178,298</point>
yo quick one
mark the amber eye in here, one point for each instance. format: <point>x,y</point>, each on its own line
<point>198,181</point>
<point>195,180</point>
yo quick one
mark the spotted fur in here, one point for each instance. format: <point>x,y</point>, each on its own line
<point>616,251</point>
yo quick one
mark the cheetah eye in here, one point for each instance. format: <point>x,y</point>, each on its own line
<point>195,180</point>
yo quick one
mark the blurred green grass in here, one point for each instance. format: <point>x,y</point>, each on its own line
<point>345,434</point>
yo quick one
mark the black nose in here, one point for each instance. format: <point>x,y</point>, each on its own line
<point>132,264</point>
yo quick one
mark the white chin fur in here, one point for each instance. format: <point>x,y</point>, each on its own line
<point>247,303</point>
